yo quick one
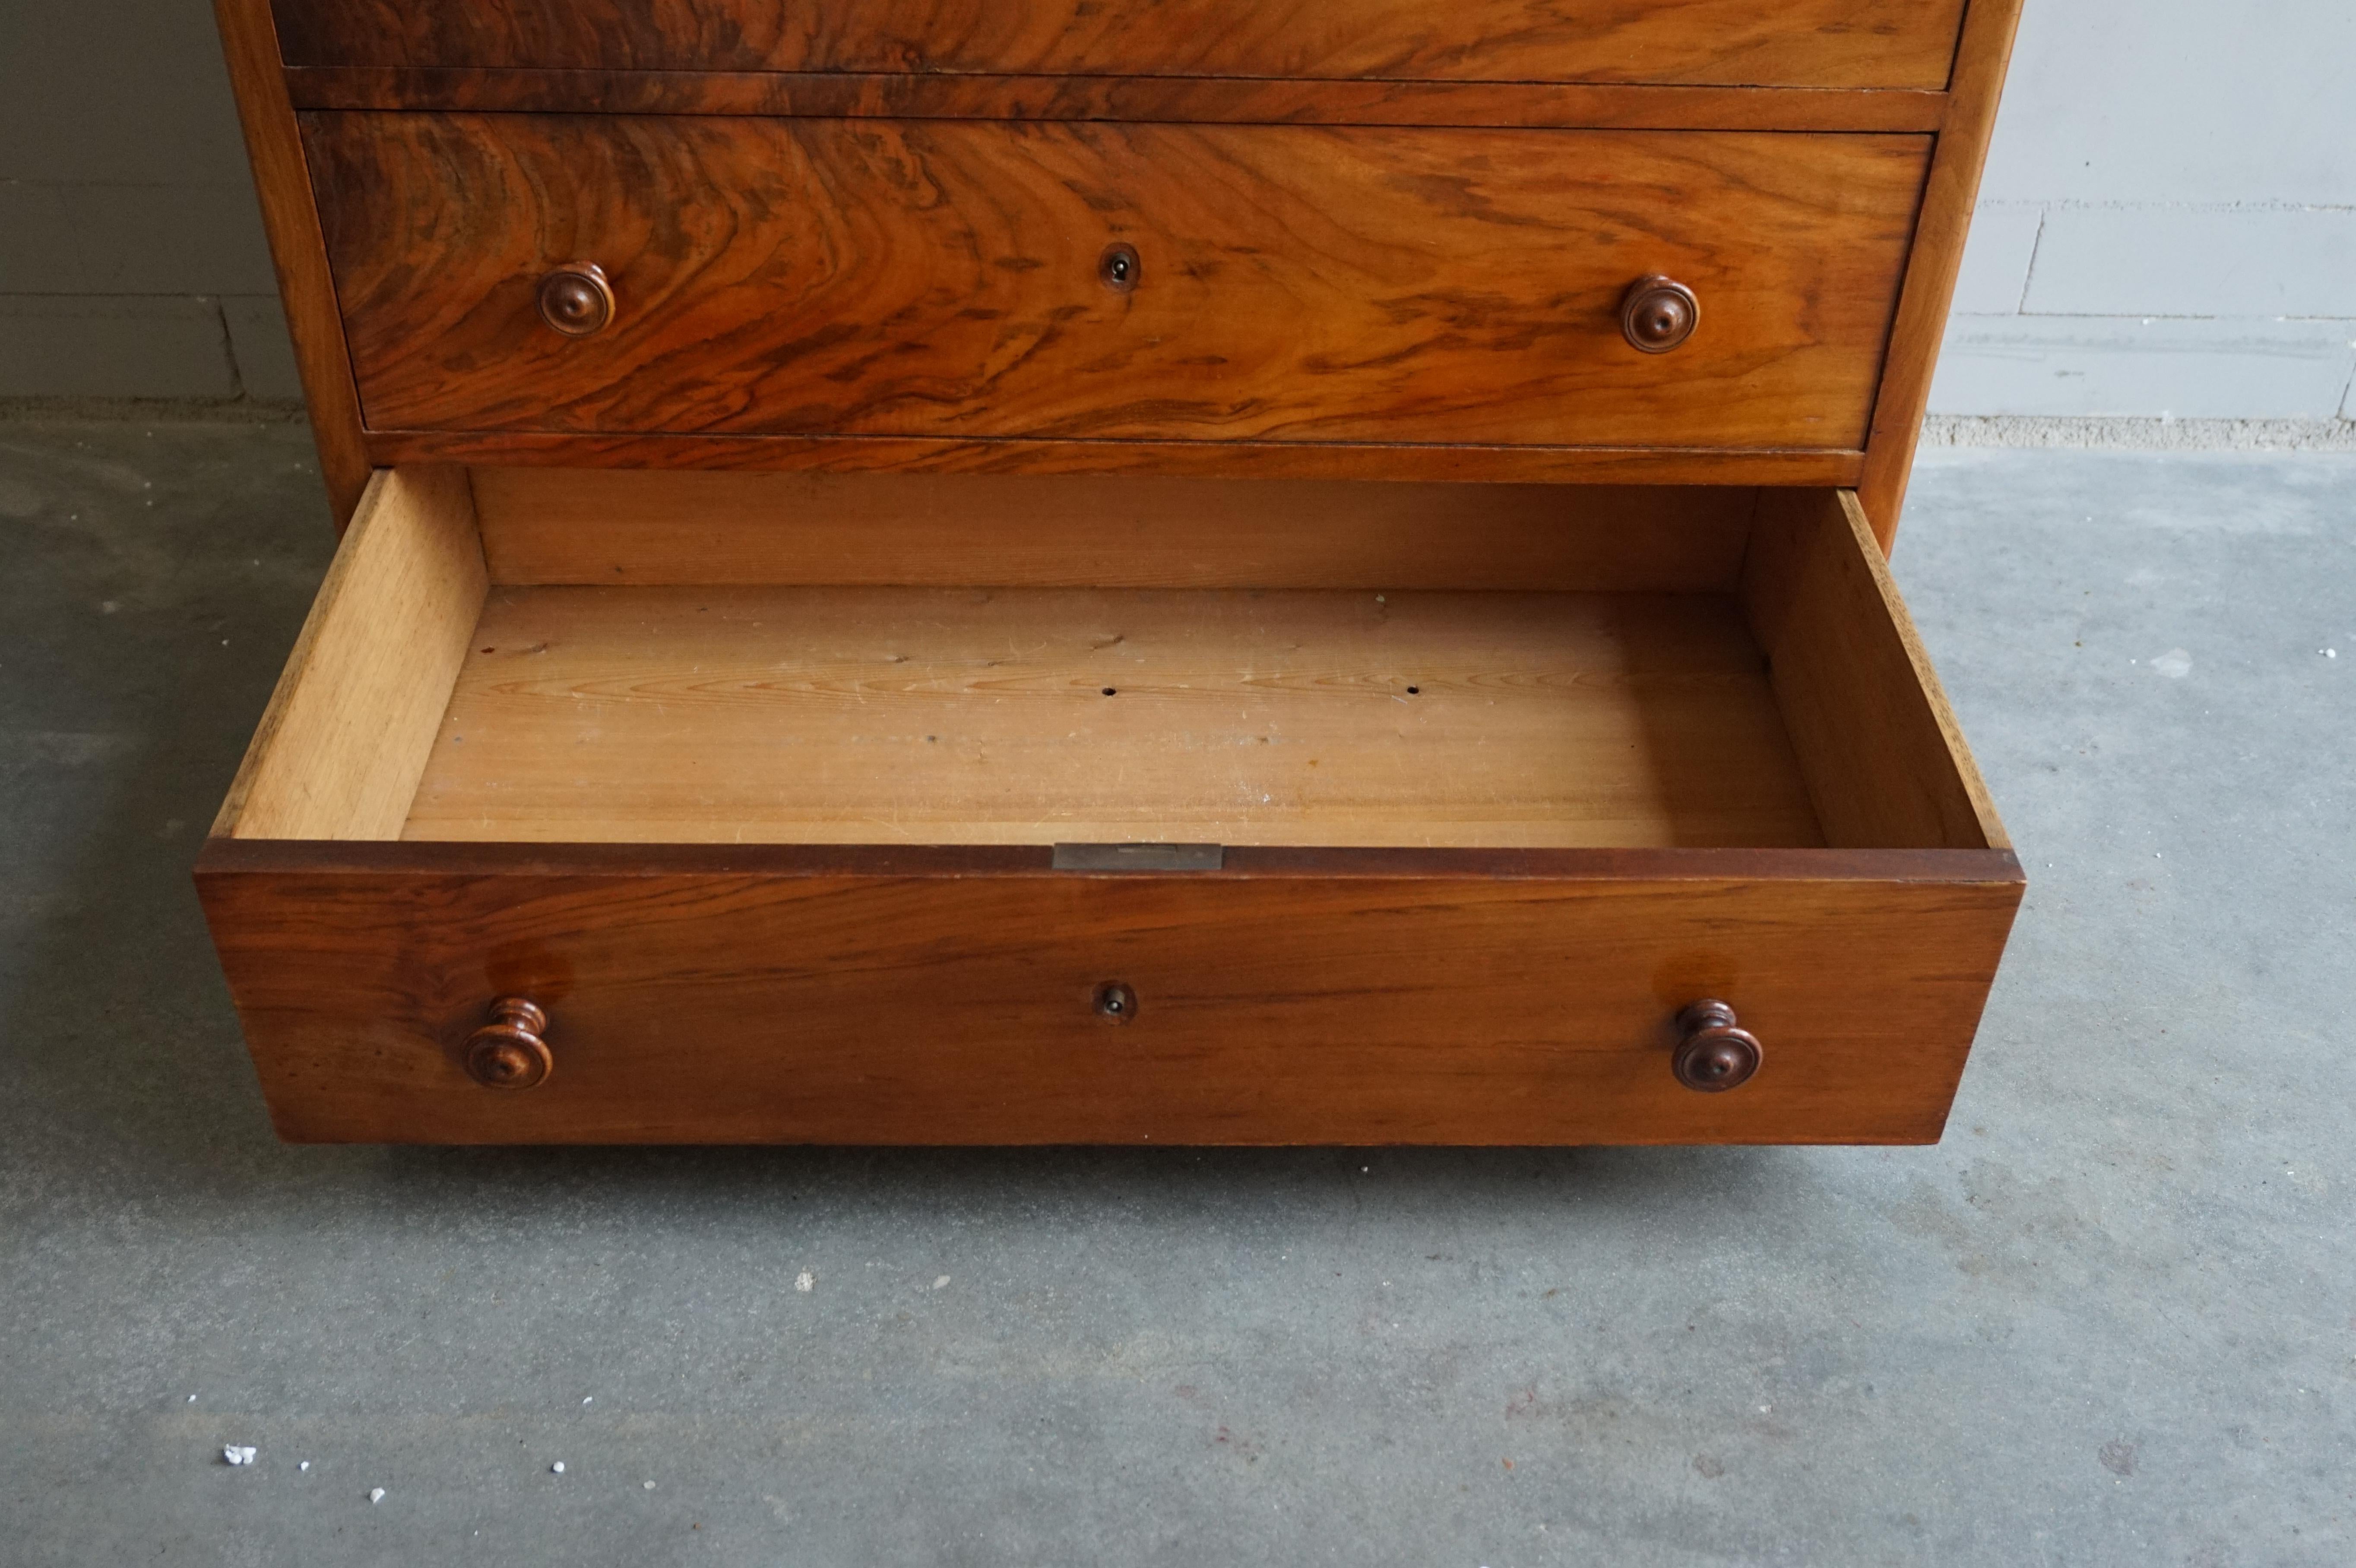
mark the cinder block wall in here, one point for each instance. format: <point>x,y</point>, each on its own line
<point>132,262</point>
<point>2168,226</point>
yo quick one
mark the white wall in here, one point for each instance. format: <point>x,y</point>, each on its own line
<point>2168,225</point>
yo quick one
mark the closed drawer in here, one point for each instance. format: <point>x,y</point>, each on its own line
<point>724,807</point>
<point>1789,43</point>
<point>975,280</point>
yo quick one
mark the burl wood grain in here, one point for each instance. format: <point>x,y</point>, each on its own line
<point>1299,284</point>
<point>1034,716</point>
<point>728,996</point>
<point>1241,100</point>
<point>1830,43</point>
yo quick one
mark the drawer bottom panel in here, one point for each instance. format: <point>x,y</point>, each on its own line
<point>706,995</point>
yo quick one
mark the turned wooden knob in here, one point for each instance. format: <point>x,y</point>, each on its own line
<point>1658,314</point>
<point>507,1052</point>
<point>577,300</point>
<point>1714,1054</point>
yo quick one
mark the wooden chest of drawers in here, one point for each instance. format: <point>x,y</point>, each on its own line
<point>1200,571</point>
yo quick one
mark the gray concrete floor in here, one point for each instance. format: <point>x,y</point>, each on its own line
<point>2111,1320</point>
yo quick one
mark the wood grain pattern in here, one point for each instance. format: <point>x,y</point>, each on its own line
<point>282,180</point>
<point>1032,716</point>
<point>352,721</point>
<point>1938,257</point>
<point>1799,43</point>
<point>938,279</point>
<point>1387,462</point>
<point>1252,100</point>
<point>1885,760</point>
<point>1278,1002</point>
<point>552,525</point>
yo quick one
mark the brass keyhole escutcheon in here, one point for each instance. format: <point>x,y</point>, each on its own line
<point>507,1052</point>
<point>577,300</point>
<point>1657,313</point>
<point>1119,267</point>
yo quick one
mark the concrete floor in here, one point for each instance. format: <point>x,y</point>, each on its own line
<point>2111,1320</point>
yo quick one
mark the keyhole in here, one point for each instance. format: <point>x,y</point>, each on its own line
<point>1119,268</point>
<point>1116,1002</point>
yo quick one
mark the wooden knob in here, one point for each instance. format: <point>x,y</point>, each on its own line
<point>577,300</point>
<point>507,1052</point>
<point>1714,1054</point>
<point>1658,314</point>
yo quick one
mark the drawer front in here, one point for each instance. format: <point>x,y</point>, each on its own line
<point>1281,1006</point>
<point>964,280</point>
<point>1775,43</point>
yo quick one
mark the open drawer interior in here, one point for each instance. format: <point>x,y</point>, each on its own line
<point>536,656</point>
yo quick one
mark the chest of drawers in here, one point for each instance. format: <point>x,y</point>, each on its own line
<point>1188,571</point>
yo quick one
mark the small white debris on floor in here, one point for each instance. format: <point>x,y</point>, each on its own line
<point>651,1486</point>
<point>233,1455</point>
<point>192,1399</point>
<point>557,1468</point>
<point>376,1493</point>
<point>942,1283</point>
<point>303,1465</point>
<point>804,1282</point>
<point>2175,663</point>
<point>587,1398</point>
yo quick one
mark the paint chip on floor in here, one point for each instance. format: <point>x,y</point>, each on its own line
<point>233,1455</point>
<point>806,1282</point>
<point>942,1283</point>
<point>376,1493</point>
<point>2175,663</point>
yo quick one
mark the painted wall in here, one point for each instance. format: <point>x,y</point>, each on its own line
<point>2169,222</point>
<point>132,262</point>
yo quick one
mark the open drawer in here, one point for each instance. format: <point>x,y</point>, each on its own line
<point>634,807</point>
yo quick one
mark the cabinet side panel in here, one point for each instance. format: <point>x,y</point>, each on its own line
<point>1885,761</point>
<point>960,1008</point>
<point>249,44</point>
<point>348,731</point>
<point>1938,256</point>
